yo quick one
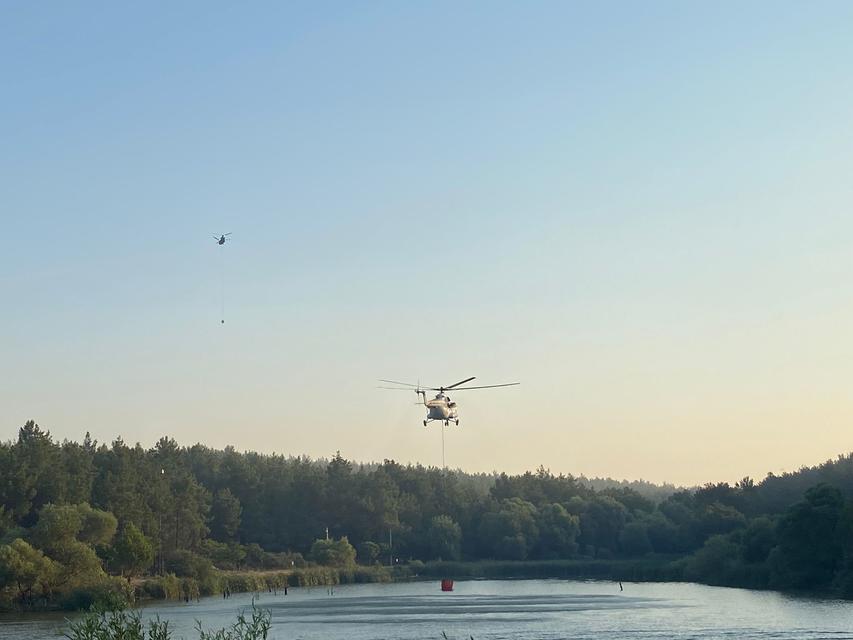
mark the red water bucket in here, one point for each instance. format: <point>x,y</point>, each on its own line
<point>447,585</point>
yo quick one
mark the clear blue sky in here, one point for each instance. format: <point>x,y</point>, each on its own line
<point>640,210</point>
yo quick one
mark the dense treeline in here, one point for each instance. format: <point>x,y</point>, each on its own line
<point>72,513</point>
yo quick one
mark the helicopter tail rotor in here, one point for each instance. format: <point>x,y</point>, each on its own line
<point>420,392</point>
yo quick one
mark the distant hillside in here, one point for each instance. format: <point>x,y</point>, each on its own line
<point>778,492</point>
<point>483,482</point>
<point>654,492</point>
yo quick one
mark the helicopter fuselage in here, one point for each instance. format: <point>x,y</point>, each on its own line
<point>440,408</point>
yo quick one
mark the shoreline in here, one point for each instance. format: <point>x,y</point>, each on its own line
<point>149,590</point>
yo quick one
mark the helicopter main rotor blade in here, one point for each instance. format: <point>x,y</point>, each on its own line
<point>458,383</point>
<point>420,390</point>
<point>488,386</point>
<point>405,384</point>
<point>399,389</point>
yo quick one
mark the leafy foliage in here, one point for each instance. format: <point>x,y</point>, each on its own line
<point>128,625</point>
<point>132,552</point>
<point>225,516</point>
<point>119,624</point>
<point>255,627</point>
<point>445,538</point>
<point>368,552</point>
<point>27,570</point>
<point>333,553</point>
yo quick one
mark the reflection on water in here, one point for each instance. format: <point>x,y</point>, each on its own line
<point>506,609</point>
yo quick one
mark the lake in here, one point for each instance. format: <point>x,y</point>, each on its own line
<point>504,609</point>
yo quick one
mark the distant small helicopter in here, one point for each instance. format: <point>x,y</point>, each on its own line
<point>221,239</point>
<point>441,408</point>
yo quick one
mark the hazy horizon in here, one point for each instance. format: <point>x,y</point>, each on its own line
<point>639,211</point>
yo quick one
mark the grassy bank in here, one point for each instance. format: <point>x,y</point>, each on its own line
<point>651,568</point>
<point>113,592</point>
<point>171,587</point>
<point>648,569</point>
<point>116,592</point>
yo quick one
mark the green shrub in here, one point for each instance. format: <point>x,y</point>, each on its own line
<point>111,594</point>
<point>335,553</point>
<point>166,587</point>
<point>255,628</point>
<point>128,625</point>
<point>257,558</point>
<point>224,555</point>
<point>368,552</point>
<point>188,564</point>
<point>117,625</point>
<point>415,567</point>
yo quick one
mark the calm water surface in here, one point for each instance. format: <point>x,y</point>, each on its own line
<point>510,609</point>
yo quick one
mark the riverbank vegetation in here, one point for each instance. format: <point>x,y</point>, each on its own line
<point>82,523</point>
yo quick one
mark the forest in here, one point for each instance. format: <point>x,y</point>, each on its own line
<point>82,521</point>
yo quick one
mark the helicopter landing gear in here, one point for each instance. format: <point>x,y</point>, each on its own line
<point>424,422</point>
<point>457,422</point>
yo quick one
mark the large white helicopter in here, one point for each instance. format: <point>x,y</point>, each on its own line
<point>441,408</point>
